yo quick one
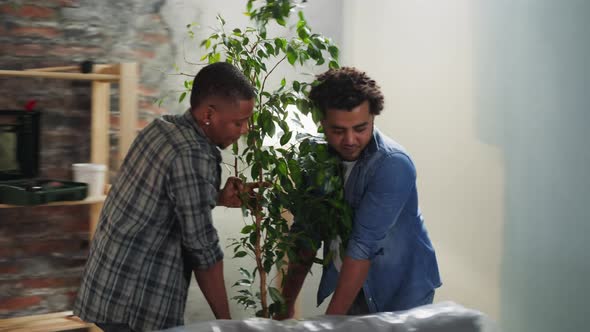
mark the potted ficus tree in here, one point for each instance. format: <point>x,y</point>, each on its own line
<point>296,174</point>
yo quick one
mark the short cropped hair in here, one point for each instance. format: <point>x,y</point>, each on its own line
<point>220,79</point>
<point>346,88</point>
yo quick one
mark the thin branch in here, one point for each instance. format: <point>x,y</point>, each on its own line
<point>270,72</point>
<point>182,74</point>
<point>184,54</point>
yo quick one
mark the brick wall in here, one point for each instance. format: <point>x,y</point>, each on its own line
<point>43,249</point>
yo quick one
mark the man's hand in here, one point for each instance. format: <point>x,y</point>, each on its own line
<point>353,275</point>
<point>234,189</point>
<point>230,194</point>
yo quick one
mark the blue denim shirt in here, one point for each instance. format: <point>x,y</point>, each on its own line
<point>388,230</point>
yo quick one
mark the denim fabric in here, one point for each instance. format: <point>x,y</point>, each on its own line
<point>359,306</point>
<point>388,230</point>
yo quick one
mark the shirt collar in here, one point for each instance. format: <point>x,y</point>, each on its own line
<point>188,117</point>
<point>372,147</point>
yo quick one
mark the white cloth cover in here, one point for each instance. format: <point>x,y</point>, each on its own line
<point>439,317</point>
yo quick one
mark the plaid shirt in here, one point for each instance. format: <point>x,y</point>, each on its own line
<point>154,228</point>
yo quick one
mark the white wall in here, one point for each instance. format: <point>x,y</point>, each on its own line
<point>491,99</point>
<point>421,53</point>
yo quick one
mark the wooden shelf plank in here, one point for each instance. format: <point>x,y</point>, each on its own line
<point>88,200</point>
<point>57,321</point>
<point>58,75</point>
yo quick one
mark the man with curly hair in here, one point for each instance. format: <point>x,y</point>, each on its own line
<point>389,263</point>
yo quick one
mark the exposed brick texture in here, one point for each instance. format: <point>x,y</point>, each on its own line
<point>43,249</point>
<point>18,303</point>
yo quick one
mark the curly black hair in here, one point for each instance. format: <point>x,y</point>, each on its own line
<point>220,79</point>
<point>346,88</point>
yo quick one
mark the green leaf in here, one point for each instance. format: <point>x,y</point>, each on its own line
<point>302,106</point>
<point>281,43</point>
<point>269,48</point>
<point>240,254</point>
<point>295,171</point>
<point>252,238</point>
<point>296,86</point>
<point>243,282</point>
<point>282,167</point>
<point>333,65</point>
<point>245,273</point>
<point>182,96</point>
<point>319,43</point>
<point>283,82</point>
<point>262,54</point>
<point>214,57</point>
<point>301,17</point>
<point>283,124</point>
<point>272,129</point>
<point>254,172</point>
<point>247,229</point>
<point>235,148</point>
<point>220,19</point>
<point>286,137</point>
<point>291,55</point>
<point>333,51</point>
<point>303,33</point>
<point>276,295</point>
<point>267,265</point>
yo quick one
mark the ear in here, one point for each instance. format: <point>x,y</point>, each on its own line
<point>208,113</point>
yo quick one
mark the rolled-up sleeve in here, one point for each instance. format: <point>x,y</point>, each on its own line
<point>387,192</point>
<point>191,187</point>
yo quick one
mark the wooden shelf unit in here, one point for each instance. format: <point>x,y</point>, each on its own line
<point>123,74</point>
